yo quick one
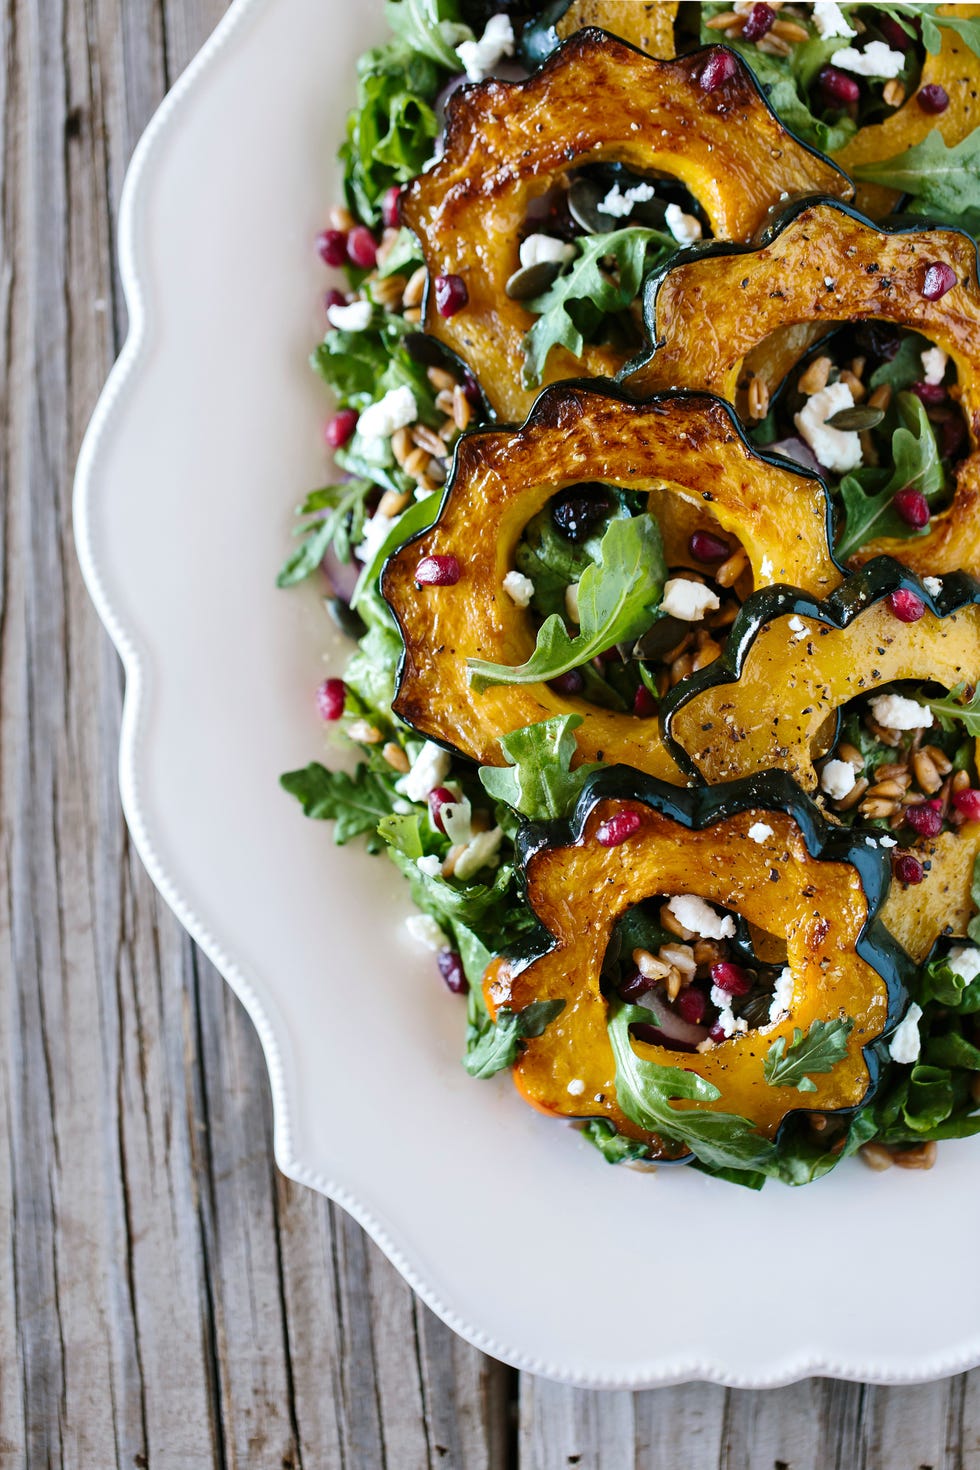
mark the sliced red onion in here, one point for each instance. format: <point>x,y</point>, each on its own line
<point>671,1029</point>
<point>796,450</point>
<point>342,576</point>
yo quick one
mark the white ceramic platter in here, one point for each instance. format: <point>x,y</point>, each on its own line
<point>509,1226</point>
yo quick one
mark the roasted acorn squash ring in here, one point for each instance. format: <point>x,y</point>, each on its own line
<point>678,445</point>
<point>817,884</point>
<point>596,99</point>
<point>646,24</point>
<point>824,262</point>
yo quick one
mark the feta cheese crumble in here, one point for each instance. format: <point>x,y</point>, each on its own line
<point>906,1042</point>
<point>685,228</point>
<point>765,569</point>
<point>760,832</point>
<point>478,853</point>
<point>457,819</point>
<point>896,712</point>
<point>782,996</point>
<point>571,602</point>
<point>620,204</point>
<point>688,601</point>
<point>887,841</point>
<point>829,20</point>
<point>876,60</point>
<point>545,250</point>
<point>838,779</point>
<point>431,865</point>
<point>933,585</point>
<point>396,410</point>
<point>836,449</point>
<point>798,628</point>
<point>727,1020</point>
<point>373,537</point>
<point>964,960</point>
<point>692,913</point>
<point>424,930</point>
<point>353,318</point>
<point>519,589</point>
<point>480,57</point>
<point>576,1087</point>
<point>934,362</point>
<point>429,769</point>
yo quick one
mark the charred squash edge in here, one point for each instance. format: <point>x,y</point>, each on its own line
<point>540,38</point>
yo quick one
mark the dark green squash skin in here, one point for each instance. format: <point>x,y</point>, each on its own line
<point>701,806</point>
<point>540,36</point>
<point>546,410</point>
<point>874,582</point>
<point>903,225</point>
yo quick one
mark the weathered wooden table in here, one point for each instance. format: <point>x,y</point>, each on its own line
<point>169,1301</point>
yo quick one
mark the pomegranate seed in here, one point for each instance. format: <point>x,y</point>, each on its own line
<point>439,797</point>
<point>719,67</point>
<point>437,571</point>
<point>925,820</point>
<point>952,432</point>
<point>451,294</point>
<point>932,98</point>
<point>732,979</point>
<point>912,506</point>
<point>333,297</point>
<point>391,208</point>
<point>634,987</point>
<point>451,970</point>
<point>618,829</point>
<point>904,605</point>
<point>717,1033</point>
<point>691,1005</point>
<point>330,698</point>
<point>705,547</point>
<point>907,869</point>
<point>837,86</point>
<point>644,704</point>
<point>340,429</point>
<point>760,20</point>
<point>331,246</point>
<point>571,683</point>
<point>939,278</point>
<point>362,248</point>
<point>931,394</point>
<point>471,388</point>
<point>968,803</point>
<point>894,34</point>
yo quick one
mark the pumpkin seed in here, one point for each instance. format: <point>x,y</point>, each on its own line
<point>665,634</point>
<point>585,195</point>
<point>531,280</point>
<point>860,417</point>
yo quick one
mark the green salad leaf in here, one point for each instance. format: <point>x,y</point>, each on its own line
<point>867,494</point>
<point>951,711</point>
<point>498,1044</point>
<point>431,27</point>
<point>819,1050</point>
<point>392,130</point>
<point>339,524</point>
<point>603,279</point>
<point>617,598</point>
<point>615,1147</point>
<point>941,180</point>
<point>356,804</point>
<point>538,780</point>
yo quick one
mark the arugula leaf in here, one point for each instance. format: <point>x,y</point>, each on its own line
<point>905,368</point>
<point>950,712</point>
<point>930,1098</point>
<point>867,494</point>
<point>644,1091</point>
<point>390,133</point>
<point>940,982</point>
<point>419,516</point>
<point>431,27</point>
<point>538,780</point>
<point>404,256</point>
<point>577,300</point>
<point>355,803</point>
<point>342,526</point>
<point>942,181</point>
<point>552,561</point>
<point>499,1043</point>
<point>403,831</point>
<point>617,598</point>
<point>370,672</point>
<point>952,1050</point>
<point>615,1147</point>
<point>823,1046</point>
<point>933,23</point>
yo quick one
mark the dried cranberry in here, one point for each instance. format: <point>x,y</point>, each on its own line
<point>895,34</point>
<point>837,86</point>
<point>932,98</point>
<point>362,248</point>
<point>391,208</point>
<point>571,683</point>
<point>707,548</point>
<point>924,820</point>
<point>904,605</point>
<point>967,803</point>
<point>340,429</point>
<point>451,294</point>
<point>691,1005</point>
<point>634,987</point>
<point>732,979</point>
<point>331,246</point>
<point>437,571</point>
<point>439,797</point>
<point>952,433</point>
<point>578,510</point>
<point>931,394</point>
<point>719,67</point>
<point>878,340</point>
<point>759,22</point>
<point>912,506</point>
<point>907,868</point>
<point>617,829</point>
<point>330,697</point>
<point>644,704</point>
<point>451,970</point>
<point>333,297</point>
<point>717,1033</point>
<point>938,279</point>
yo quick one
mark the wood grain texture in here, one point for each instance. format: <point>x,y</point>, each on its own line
<point>170,1301</point>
